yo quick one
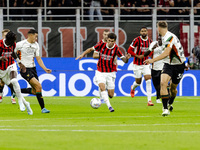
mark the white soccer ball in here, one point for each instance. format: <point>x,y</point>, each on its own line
<point>95,103</point>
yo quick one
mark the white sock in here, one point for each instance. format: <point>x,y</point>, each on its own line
<point>135,85</point>
<point>149,90</point>
<point>106,99</point>
<point>17,89</point>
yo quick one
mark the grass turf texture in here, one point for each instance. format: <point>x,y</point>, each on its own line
<point>73,124</point>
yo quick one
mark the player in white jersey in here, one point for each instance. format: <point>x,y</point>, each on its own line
<point>173,58</point>
<point>27,50</point>
<point>155,49</point>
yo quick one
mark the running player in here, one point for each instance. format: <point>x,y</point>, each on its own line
<point>4,32</point>
<point>173,58</point>
<point>139,47</point>
<point>106,73</point>
<point>89,50</point>
<point>8,69</point>
<point>155,49</point>
<point>27,50</point>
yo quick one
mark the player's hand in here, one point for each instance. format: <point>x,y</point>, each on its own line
<point>148,61</point>
<point>22,67</point>
<point>156,45</point>
<point>3,58</point>
<point>140,56</point>
<point>48,70</point>
<point>128,56</point>
<point>79,57</point>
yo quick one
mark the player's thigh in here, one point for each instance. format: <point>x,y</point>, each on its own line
<point>11,72</point>
<point>146,71</point>
<point>165,78</point>
<point>100,77</point>
<point>35,83</point>
<point>110,80</point>
<point>137,71</point>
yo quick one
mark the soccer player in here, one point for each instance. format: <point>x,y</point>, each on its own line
<point>8,69</point>
<point>155,49</point>
<point>173,58</point>
<point>4,32</point>
<point>106,73</point>
<point>27,50</point>
<point>89,50</point>
<point>138,47</point>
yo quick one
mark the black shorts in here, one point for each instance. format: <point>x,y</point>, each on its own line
<point>174,71</point>
<point>29,74</point>
<point>156,74</point>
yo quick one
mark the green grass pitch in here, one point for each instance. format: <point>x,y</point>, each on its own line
<point>74,125</point>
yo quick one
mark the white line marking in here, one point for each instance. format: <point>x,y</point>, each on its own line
<point>113,131</point>
<point>104,125</point>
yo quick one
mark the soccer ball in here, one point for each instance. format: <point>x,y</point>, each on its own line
<point>95,103</point>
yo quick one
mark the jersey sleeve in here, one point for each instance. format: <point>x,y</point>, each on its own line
<point>134,43</point>
<point>152,45</point>
<point>37,51</point>
<point>97,47</point>
<point>119,53</point>
<point>171,42</point>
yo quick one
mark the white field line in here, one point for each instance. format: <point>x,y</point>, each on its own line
<point>111,117</point>
<point>110,131</point>
<point>115,125</point>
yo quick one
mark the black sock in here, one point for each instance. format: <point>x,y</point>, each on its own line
<point>40,99</point>
<point>165,99</point>
<point>26,90</point>
<point>171,100</point>
<point>158,91</point>
<point>1,89</point>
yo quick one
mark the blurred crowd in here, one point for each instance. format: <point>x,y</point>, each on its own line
<point>102,14</point>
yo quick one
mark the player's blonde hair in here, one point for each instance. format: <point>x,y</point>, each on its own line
<point>5,30</point>
<point>162,24</point>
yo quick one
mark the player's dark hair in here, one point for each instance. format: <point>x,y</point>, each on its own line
<point>143,28</point>
<point>32,31</point>
<point>112,36</point>
<point>162,24</point>
<point>10,38</point>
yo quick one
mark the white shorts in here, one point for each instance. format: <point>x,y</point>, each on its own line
<point>140,70</point>
<point>5,74</point>
<point>108,78</point>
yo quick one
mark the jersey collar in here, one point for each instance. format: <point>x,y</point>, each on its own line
<point>111,47</point>
<point>144,39</point>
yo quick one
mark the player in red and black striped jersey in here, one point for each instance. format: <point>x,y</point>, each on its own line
<point>138,47</point>
<point>4,32</point>
<point>8,69</point>
<point>106,73</point>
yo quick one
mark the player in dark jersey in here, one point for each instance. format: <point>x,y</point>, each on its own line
<point>139,47</point>
<point>8,69</point>
<point>4,32</point>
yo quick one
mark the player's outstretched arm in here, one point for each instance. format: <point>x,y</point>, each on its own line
<point>3,58</point>
<point>40,62</point>
<point>126,58</point>
<point>89,50</point>
<point>95,55</point>
<point>161,56</point>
